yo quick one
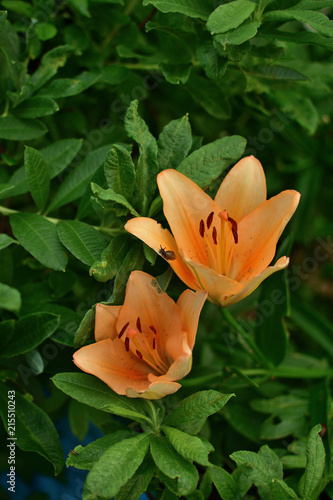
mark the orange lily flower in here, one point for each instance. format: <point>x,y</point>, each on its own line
<point>144,346</point>
<point>224,245</point>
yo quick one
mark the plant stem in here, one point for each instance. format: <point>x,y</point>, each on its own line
<point>154,420</point>
<point>287,372</point>
<point>252,347</point>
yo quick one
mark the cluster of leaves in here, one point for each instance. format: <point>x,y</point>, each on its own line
<point>208,72</point>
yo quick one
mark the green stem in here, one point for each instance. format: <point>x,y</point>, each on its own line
<point>154,420</point>
<point>252,347</point>
<point>144,67</point>
<point>5,111</point>
<point>286,372</point>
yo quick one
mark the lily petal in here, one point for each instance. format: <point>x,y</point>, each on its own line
<point>155,390</point>
<point>155,308</point>
<point>109,361</point>
<point>190,304</point>
<point>259,232</point>
<point>185,206</point>
<point>255,282</point>
<point>105,321</point>
<point>178,370</point>
<point>218,286</point>
<point>243,189</point>
<point>152,233</point>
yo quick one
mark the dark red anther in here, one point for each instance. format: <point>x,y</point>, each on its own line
<point>202,228</point>
<point>122,331</point>
<point>138,353</point>
<point>235,234</point>
<point>234,229</point>
<point>127,344</point>
<point>138,325</point>
<point>214,234</point>
<point>154,343</point>
<point>153,329</point>
<point>210,219</point>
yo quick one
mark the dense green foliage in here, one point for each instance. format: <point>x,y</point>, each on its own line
<point>96,98</point>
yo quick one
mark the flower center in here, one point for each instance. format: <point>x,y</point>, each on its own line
<point>219,243</point>
<point>144,343</point>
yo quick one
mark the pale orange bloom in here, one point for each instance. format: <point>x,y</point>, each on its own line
<point>224,245</point>
<point>144,346</point>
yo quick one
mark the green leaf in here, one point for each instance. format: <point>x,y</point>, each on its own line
<point>85,458</point>
<point>270,330</point>
<point>59,155</point>
<point>65,87</point>
<point>224,483</point>
<point>6,240</point>
<point>190,447</point>
<point>5,187</point>
<point>61,283</point>
<point>239,35</point>
<point>287,412</point>
<point>7,331</point>
<point>115,467</point>
<point>138,483</point>
<point>197,406</point>
<point>315,463</point>
<point>35,361</point>
<point>119,171</point>
<point>277,489</point>
<point>81,6</point>
<point>51,61</point>
<point>45,31</point>
<point>111,259</point>
<point>277,72</point>
<point>115,75</point>
<point>109,195</point>
<point>313,324</point>
<point>36,107</point>
<point>10,298</point>
<point>174,465</point>
<point>299,107</point>
<point>92,392</point>
<point>207,55</point>
<point>78,416</point>
<point>312,5</point>
<point>255,467</point>
<point>192,8</point>
<point>208,162</point>
<point>76,181</point>
<point>37,175</point>
<point>82,240</point>
<point>176,73</point>
<point>86,328</point>
<point>317,20</point>
<point>147,167</point>
<point>229,16</point>
<point>206,93</point>
<point>174,143</point>
<point>30,331</point>
<point>34,430</point>
<point>300,38</point>
<point>134,260</point>
<point>244,421</point>
<point>40,238</point>
<point>14,129</point>
<point>22,8</point>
